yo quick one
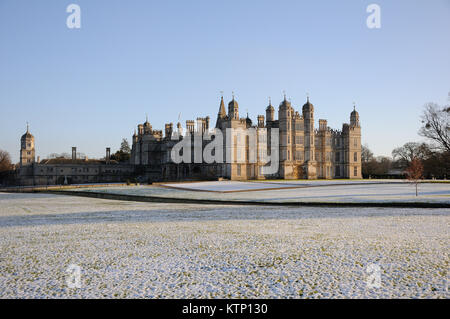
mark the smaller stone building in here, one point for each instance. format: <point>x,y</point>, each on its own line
<point>65,171</point>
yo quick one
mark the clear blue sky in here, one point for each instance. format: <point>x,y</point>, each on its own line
<point>90,87</point>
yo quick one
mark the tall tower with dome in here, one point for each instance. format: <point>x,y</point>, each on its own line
<point>27,150</point>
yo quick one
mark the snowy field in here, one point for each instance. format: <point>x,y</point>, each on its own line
<point>152,250</point>
<point>317,191</point>
<point>237,186</point>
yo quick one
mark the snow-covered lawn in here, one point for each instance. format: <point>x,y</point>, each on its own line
<point>224,186</point>
<point>347,192</point>
<point>129,249</point>
<point>237,186</point>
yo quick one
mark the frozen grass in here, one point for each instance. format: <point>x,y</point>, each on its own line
<point>233,186</point>
<point>346,193</point>
<point>128,249</point>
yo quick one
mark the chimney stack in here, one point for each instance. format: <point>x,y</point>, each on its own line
<point>169,130</point>
<point>108,155</point>
<point>260,120</point>
<point>74,154</point>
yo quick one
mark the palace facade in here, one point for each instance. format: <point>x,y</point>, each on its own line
<point>304,150</point>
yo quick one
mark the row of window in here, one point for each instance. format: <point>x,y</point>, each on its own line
<point>338,171</point>
<point>83,170</point>
<point>299,156</point>
<point>328,171</point>
<point>299,139</point>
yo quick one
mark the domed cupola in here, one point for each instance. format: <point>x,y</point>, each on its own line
<point>285,104</point>
<point>308,107</point>
<point>233,103</point>
<point>248,121</point>
<point>270,112</point>
<point>354,117</point>
<point>233,109</point>
<point>354,112</point>
<point>27,134</point>
<point>146,123</point>
<point>270,107</point>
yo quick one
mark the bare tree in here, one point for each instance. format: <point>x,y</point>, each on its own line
<point>366,154</point>
<point>384,163</point>
<point>436,125</point>
<point>411,150</point>
<point>5,161</point>
<point>414,172</point>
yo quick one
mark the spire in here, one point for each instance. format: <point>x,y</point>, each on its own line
<point>28,127</point>
<point>284,93</point>
<point>232,94</point>
<point>269,108</point>
<point>222,112</point>
<point>354,106</point>
<point>307,97</point>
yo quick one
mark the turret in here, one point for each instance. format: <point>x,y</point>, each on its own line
<point>147,127</point>
<point>168,130</point>
<point>354,118</point>
<point>285,112</point>
<point>233,109</point>
<point>270,112</point>
<point>308,110</point>
<point>248,121</point>
<point>308,116</point>
<point>285,115</point>
<point>353,144</point>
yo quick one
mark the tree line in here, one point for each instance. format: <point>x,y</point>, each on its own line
<point>432,157</point>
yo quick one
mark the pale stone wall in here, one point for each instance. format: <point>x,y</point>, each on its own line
<point>304,152</point>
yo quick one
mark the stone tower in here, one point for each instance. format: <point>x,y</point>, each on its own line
<point>27,151</point>
<point>310,161</point>
<point>233,109</point>
<point>270,112</point>
<point>354,146</point>
<point>285,111</point>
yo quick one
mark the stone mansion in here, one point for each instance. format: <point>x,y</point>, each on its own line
<point>304,151</point>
